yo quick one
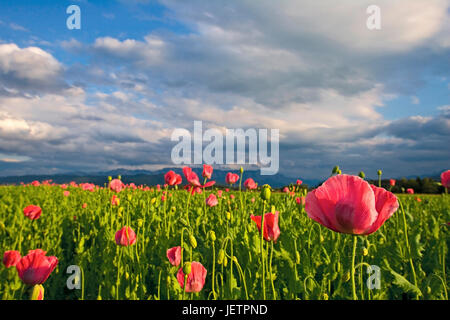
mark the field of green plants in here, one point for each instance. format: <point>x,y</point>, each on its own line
<point>78,226</point>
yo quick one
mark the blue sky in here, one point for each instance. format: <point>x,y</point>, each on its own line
<point>109,95</point>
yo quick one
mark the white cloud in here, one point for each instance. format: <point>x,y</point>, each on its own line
<point>32,63</point>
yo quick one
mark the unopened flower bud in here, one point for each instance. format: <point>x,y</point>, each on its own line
<point>187,268</point>
<point>37,293</point>
<point>362,175</point>
<point>193,241</point>
<point>221,256</point>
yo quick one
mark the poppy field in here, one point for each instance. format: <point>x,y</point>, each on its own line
<point>188,238</point>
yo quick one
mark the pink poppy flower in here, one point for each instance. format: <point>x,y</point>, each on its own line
<point>116,185</point>
<point>348,204</point>
<point>392,182</point>
<point>299,182</point>
<point>172,179</point>
<point>219,193</point>
<point>207,171</point>
<point>445,179</point>
<point>250,184</point>
<point>66,193</point>
<point>211,201</point>
<point>300,200</point>
<point>125,237</point>
<point>174,255</point>
<point>195,280</point>
<point>36,267</point>
<point>231,178</point>
<point>410,190</point>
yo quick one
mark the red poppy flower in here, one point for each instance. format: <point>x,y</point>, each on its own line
<point>11,258</point>
<point>271,229</point>
<point>392,182</point>
<point>33,212</point>
<point>410,190</point>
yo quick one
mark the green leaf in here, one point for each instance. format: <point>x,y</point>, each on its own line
<point>407,286</point>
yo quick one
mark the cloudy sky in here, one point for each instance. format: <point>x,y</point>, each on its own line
<point>110,94</point>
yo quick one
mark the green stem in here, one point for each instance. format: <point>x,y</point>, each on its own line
<point>270,272</point>
<point>355,240</point>
<point>263,276</point>
<point>407,245</point>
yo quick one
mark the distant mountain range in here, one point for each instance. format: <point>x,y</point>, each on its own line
<point>150,178</point>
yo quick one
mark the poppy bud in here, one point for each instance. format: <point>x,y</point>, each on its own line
<point>297,257</point>
<point>109,178</point>
<point>242,170</point>
<point>221,256</point>
<point>266,193</point>
<point>225,262</point>
<point>379,172</point>
<point>273,209</point>
<point>37,293</point>
<point>346,276</point>
<point>339,171</point>
<point>193,242</point>
<point>228,215</point>
<point>325,296</point>
<point>187,268</point>
<point>119,177</point>
<point>365,252</point>
<point>321,238</point>
<point>212,236</point>
<point>362,175</point>
<point>140,222</point>
<point>129,197</point>
<point>168,280</point>
<point>184,222</point>
<point>153,201</point>
<point>335,169</point>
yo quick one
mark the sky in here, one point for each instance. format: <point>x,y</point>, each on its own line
<point>110,94</point>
